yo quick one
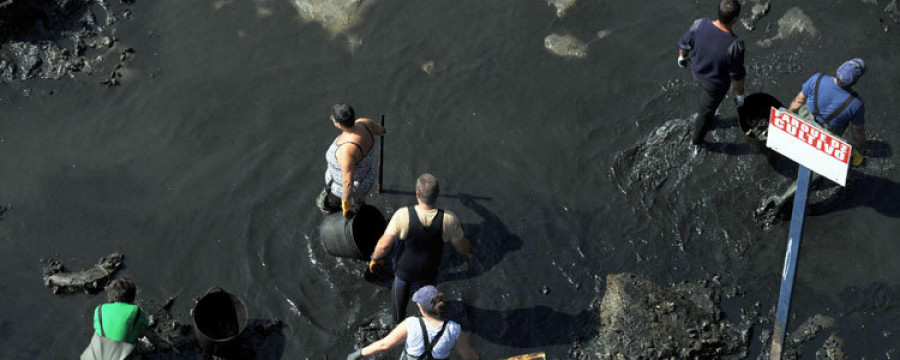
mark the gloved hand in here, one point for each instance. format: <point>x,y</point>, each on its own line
<point>347,207</point>
<point>856,158</point>
<point>356,355</point>
<point>683,61</point>
<point>373,263</point>
<point>739,100</point>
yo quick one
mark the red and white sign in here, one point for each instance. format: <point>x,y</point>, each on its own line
<point>809,146</point>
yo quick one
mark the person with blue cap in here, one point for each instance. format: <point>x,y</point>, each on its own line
<point>426,337</point>
<point>835,106</point>
<point>830,103</point>
<point>716,58</point>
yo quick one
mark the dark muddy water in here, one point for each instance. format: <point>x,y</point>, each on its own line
<point>203,165</point>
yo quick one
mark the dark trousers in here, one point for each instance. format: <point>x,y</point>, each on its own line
<point>400,294</point>
<point>709,102</point>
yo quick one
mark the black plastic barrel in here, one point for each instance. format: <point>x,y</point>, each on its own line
<point>219,319</point>
<point>355,237</point>
<point>753,116</point>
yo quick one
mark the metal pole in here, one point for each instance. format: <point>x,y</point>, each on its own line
<point>790,261</point>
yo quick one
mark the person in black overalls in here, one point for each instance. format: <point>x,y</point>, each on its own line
<point>422,230</point>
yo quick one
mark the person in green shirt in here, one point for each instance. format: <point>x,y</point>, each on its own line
<point>117,324</point>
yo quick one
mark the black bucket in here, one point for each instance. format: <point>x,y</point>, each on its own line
<point>355,237</point>
<point>753,116</point>
<point>219,318</point>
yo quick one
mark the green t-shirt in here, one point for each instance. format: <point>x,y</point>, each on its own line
<point>117,319</point>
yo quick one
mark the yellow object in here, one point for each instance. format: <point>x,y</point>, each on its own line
<point>856,158</point>
<point>347,207</point>
<point>373,263</point>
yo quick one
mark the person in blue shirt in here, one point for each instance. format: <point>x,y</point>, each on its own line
<point>835,106</point>
<point>716,57</point>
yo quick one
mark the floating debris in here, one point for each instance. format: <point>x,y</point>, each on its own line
<point>428,66</point>
<point>793,23</point>
<point>336,16</point>
<point>90,280</point>
<point>757,11</point>
<point>565,46</point>
<point>561,6</point>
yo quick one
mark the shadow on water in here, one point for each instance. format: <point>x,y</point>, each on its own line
<point>491,240</point>
<point>736,149</point>
<point>525,328</point>
<point>878,193</point>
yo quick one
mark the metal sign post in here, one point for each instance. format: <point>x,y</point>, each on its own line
<point>790,261</point>
<point>812,148</point>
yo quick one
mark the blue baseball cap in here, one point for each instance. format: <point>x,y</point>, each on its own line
<point>850,72</point>
<point>425,296</point>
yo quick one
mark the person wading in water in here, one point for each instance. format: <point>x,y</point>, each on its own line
<point>350,171</point>
<point>426,337</point>
<point>422,230</point>
<point>716,58</point>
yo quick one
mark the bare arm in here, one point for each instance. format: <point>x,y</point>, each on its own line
<point>462,245</point>
<point>799,101</point>
<point>396,336</point>
<point>465,350</point>
<point>348,167</point>
<point>384,245</point>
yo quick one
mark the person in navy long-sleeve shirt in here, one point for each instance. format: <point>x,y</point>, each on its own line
<point>716,57</point>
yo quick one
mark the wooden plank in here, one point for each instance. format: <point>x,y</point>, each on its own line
<point>532,356</point>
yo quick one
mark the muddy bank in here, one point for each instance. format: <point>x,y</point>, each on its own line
<point>643,320</point>
<point>50,39</point>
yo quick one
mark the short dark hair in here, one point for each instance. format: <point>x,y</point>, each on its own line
<point>428,188</point>
<point>437,306</point>
<point>343,114</point>
<point>729,11</point>
<point>121,290</point>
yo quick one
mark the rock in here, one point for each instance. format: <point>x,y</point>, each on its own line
<point>90,280</point>
<point>566,46</point>
<point>832,349</point>
<point>793,23</point>
<point>48,39</point>
<point>640,319</point>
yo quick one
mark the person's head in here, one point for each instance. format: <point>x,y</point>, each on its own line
<point>850,72</point>
<point>430,299</point>
<point>729,10</point>
<point>428,189</point>
<point>121,290</point>
<point>343,114</point>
